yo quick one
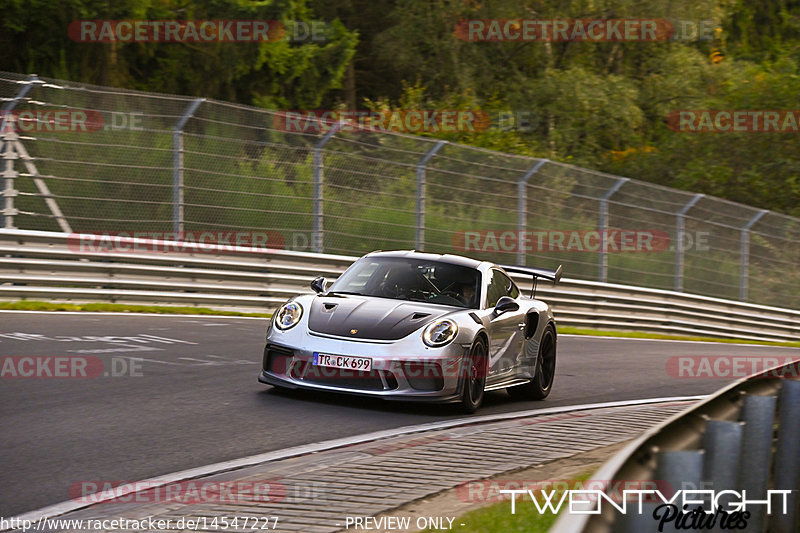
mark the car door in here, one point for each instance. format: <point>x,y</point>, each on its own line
<point>506,334</point>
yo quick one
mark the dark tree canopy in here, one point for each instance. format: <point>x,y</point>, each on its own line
<point>603,105</point>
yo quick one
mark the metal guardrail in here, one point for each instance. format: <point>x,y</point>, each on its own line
<point>743,438</point>
<point>37,265</point>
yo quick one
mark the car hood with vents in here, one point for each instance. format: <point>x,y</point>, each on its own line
<point>367,317</point>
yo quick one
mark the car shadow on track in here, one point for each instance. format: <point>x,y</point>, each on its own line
<point>367,403</point>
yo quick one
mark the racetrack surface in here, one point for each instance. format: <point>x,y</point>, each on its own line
<point>193,398</point>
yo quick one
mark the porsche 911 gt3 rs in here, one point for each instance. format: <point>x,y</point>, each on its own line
<point>416,326</point>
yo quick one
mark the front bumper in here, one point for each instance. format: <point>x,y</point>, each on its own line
<point>398,372</point>
<point>269,379</point>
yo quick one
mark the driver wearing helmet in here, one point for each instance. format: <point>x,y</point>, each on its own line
<point>467,294</point>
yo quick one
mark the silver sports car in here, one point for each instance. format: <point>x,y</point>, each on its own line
<point>416,326</point>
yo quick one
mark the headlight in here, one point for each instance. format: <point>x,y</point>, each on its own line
<point>288,315</point>
<point>440,333</point>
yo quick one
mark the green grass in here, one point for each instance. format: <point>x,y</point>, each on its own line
<point>497,518</point>
<point>644,335</point>
<point>27,305</point>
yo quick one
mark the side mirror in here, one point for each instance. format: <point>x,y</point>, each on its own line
<point>505,304</point>
<point>318,284</point>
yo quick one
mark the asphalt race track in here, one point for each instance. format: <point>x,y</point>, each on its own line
<point>181,392</point>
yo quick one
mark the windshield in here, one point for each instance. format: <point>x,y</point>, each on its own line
<point>416,280</point>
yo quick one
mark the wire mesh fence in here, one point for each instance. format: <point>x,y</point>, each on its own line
<point>89,159</point>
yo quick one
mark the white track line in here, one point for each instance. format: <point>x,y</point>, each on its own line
<point>214,317</point>
<point>119,313</point>
<point>611,337</point>
<point>71,505</point>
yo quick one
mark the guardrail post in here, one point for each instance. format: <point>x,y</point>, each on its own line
<point>679,234</point>
<point>787,460</point>
<point>177,168</point>
<point>679,470</point>
<point>633,521</point>
<point>745,254</point>
<point>758,414</point>
<point>675,470</point>
<point>603,226</point>
<point>522,208</point>
<point>317,244</point>
<point>9,156</point>
<point>420,237</point>
<point>722,443</point>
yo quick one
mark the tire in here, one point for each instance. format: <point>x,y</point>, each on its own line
<point>474,379</point>
<point>540,386</point>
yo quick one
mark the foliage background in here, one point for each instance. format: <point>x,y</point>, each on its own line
<point>601,105</point>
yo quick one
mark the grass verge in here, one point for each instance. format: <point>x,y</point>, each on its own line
<point>498,517</point>
<point>27,305</point>
<point>644,335</point>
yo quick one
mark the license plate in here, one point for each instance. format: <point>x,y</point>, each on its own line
<point>361,364</point>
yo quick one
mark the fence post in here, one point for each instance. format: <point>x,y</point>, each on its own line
<point>745,254</point>
<point>9,156</point>
<point>9,192</point>
<point>420,238</point>
<point>317,236</point>
<point>603,226</point>
<point>679,233</point>
<point>12,140</point>
<point>522,207</point>
<point>177,168</point>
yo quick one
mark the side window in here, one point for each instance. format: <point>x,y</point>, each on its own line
<point>496,290</point>
<point>513,291</point>
<point>499,286</point>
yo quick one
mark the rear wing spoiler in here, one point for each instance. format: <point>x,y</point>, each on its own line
<point>550,275</point>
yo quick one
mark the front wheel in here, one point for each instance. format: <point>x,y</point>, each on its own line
<point>540,386</point>
<point>474,379</point>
